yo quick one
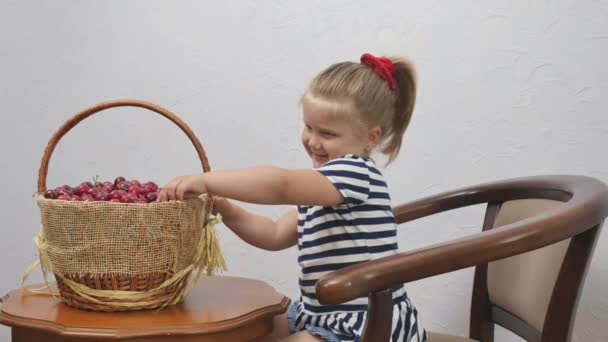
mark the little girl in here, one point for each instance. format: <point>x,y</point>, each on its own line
<point>343,208</point>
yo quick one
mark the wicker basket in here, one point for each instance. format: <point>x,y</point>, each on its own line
<point>110,256</point>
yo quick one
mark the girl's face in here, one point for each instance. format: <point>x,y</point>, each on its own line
<point>327,135</point>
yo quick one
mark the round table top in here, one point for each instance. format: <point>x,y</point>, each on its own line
<point>217,303</point>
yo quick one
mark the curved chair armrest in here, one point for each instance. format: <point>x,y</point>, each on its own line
<point>554,187</point>
<point>553,226</point>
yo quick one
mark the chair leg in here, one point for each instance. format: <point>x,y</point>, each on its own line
<point>487,332</point>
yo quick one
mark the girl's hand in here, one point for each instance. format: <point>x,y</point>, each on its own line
<point>182,188</point>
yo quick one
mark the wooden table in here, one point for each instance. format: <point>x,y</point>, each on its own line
<point>219,309</point>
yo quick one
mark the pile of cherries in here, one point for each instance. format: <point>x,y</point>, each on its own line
<point>121,190</point>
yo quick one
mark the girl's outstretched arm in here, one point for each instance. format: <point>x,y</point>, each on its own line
<point>257,230</point>
<point>262,185</point>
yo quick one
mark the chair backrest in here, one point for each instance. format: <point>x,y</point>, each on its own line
<point>520,288</point>
<point>523,284</point>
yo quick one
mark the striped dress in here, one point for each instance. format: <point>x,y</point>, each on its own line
<point>362,228</point>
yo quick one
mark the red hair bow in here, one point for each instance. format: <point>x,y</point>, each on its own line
<point>383,66</point>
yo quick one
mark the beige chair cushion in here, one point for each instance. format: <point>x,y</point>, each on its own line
<point>523,284</point>
<point>437,337</point>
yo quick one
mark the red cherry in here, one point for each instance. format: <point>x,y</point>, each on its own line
<point>123,186</point>
<point>81,189</point>
<point>76,198</point>
<point>152,185</point>
<point>128,198</point>
<point>87,184</point>
<point>117,194</point>
<point>148,188</point>
<point>108,186</point>
<point>141,201</point>
<point>92,191</point>
<point>87,198</point>
<point>119,179</point>
<point>64,198</point>
<point>65,192</point>
<point>136,182</point>
<point>102,196</point>
<point>115,200</point>
<point>66,189</point>
<point>135,190</point>
<point>52,194</point>
<point>151,196</point>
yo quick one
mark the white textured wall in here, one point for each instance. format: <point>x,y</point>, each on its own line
<point>507,88</point>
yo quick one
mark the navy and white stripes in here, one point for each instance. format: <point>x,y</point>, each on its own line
<point>362,228</point>
<point>348,325</point>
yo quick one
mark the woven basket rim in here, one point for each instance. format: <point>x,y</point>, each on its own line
<point>204,197</point>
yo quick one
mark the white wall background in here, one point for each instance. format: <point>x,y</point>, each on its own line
<point>507,88</point>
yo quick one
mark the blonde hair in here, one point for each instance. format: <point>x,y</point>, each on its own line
<point>356,88</point>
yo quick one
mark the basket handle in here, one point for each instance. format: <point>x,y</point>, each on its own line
<point>74,120</point>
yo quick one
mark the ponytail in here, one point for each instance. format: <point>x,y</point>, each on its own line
<point>404,106</point>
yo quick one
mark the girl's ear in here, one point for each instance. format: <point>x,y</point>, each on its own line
<point>374,136</point>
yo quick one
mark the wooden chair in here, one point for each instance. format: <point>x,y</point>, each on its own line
<point>531,258</point>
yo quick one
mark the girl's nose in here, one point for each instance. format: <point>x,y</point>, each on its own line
<point>313,142</point>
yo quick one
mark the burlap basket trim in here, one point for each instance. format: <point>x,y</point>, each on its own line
<point>106,238</point>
